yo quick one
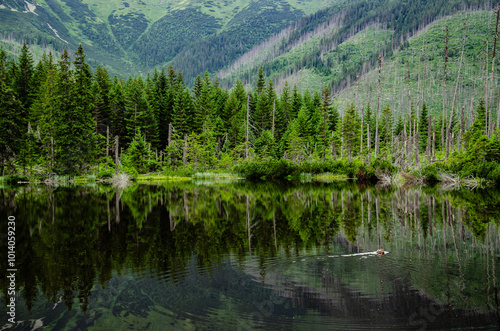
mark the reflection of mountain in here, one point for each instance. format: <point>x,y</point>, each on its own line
<point>330,295</point>
<point>72,237</point>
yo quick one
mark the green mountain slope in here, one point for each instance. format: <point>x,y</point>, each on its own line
<point>415,71</point>
<point>134,36</point>
<point>338,44</point>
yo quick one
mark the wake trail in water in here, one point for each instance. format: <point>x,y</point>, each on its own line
<point>358,254</point>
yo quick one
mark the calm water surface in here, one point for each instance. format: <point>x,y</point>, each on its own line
<point>237,255</point>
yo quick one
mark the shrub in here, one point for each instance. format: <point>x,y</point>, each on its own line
<point>131,172</point>
<point>271,169</point>
<point>106,174</point>
<point>430,173</point>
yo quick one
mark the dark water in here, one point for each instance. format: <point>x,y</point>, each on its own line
<point>220,255</point>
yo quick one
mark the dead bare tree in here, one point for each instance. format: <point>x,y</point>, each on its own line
<point>448,128</point>
<point>490,129</point>
<point>443,120</point>
<point>377,138</point>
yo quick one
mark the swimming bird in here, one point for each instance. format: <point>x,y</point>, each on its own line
<point>380,251</point>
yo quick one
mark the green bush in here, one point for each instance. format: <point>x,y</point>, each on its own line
<point>269,169</point>
<point>131,172</point>
<point>430,173</point>
<point>105,174</point>
<point>382,165</point>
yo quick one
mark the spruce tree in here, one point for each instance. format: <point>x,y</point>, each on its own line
<point>102,101</point>
<point>423,128</point>
<point>261,81</point>
<point>23,79</point>
<point>11,130</point>
<point>296,103</point>
<point>350,131</point>
<point>73,124</point>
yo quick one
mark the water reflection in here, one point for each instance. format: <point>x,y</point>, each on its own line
<point>254,256</point>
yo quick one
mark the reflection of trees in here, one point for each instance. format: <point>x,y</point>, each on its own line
<point>72,237</point>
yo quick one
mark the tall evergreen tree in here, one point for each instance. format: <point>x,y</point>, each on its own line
<point>73,123</point>
<point>423,128</point>
<point>23,80</point>
<point>350,131</point>
<point>11,130</point>
<point>261,81</point>
<point>102,102</point>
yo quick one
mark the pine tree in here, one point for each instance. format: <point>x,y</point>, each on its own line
<point>23,80</point>
<point>261,81</point>
<point>350,131</point>
<point>73,124</point>
<point>183,113</point>
<point>102,101</point>
<point>118,109</point>
<point>386,127</point>
<point>423,128</point>
<point>10,128</point>
<point>324,123</point>
<point>296,103</point>
<point>138,154</point>
<point>163,115</point>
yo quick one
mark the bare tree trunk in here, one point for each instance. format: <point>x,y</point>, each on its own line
<point>443,119</point>
<point>417,152</point>
<point>361,145</point>
<point>184,150</point>
<point>116,154</point>
<point>405,141</point>
<point>248,118</point>
<point>462,124</point>
<point>274,109</point>
<point>448,128</point>
<point>433,138</point>
<point>107,146</point>
<point>377,138</point>
<point>492,72</point>
<point>429,147</point>
<point>473,117</point>
<point>498,110</point>
<point>169,137</point>
<point>369,149</point>
<point>486,87</point>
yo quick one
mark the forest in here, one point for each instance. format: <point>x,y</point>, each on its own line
<point>60,118</point>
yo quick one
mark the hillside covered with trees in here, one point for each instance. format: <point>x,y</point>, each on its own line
<point>59,117</point>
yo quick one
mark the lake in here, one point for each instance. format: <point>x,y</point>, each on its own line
<point>217,255</point>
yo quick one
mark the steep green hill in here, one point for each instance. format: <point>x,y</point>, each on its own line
<point>335,46</point>
<point>134,36</point>
<point>415,71</point>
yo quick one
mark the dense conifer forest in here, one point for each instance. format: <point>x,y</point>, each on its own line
<point>58,117</point>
